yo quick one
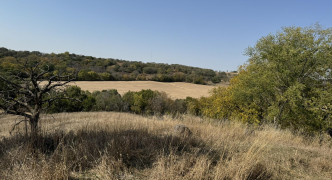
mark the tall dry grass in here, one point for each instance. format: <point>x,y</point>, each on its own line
<point>126,146</point>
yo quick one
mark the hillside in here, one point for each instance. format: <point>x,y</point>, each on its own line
<point>96,69</point>
<point>108,145</point>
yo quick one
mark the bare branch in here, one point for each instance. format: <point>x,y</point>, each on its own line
<point>13,112</point>
<point>16,124</point>
<point>17,101</point>
<point>26,96</point>
<point>51,86</point>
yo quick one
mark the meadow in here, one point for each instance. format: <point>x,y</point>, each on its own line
<point>112,145</point>
<point>175,90</point>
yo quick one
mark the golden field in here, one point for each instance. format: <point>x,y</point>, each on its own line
<point>110,145</point>
<point>175,90</point>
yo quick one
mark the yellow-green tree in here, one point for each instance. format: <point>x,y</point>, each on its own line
<point>287,81</point>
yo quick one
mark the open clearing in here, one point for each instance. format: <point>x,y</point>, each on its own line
<point>175,90</point>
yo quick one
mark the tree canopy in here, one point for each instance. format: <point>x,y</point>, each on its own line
<point>287,81</point>
<point>102,69</point>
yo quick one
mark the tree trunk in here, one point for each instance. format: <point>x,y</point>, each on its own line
<point>34,125</point>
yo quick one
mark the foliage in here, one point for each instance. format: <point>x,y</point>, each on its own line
<point>108,100</point>
<point>145,102</point>
<point>287,81</point>
<point>194,106</point>
<point>73,100</point>
<point>148,102</point>
<point>96,69</point>
<point>179,106</point>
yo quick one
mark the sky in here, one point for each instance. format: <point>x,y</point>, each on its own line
<point>209,34</point>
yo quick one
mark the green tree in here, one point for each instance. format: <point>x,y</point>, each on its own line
<point>108,100</point>
<point>105,76</point>
<point>142,101</point>
<point>73,100</point>
<point>287,80</point>
<point>87,75</point>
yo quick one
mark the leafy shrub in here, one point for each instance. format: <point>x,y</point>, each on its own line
<point>142,101</point>
<point>73,100</point>
<point>147,102</point>
<point>108,100</point>
<point>193,106</point>
<point>179,106</point>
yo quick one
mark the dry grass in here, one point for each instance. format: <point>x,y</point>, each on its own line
<point>126,146</point>
<point>176,90</point>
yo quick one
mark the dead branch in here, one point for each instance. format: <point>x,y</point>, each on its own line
<point>16,124</point>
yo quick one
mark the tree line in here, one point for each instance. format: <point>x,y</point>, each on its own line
<point>144,102</point>
<point>101,69</point>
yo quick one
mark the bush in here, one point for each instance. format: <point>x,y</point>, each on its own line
<point>108,100</point>
<point>74,100</point>
<point>179,106</point>
<point>193,106</point>
<point>128,100</point>
<point>160,103</point>
<point>142,101</point>
<point>147,102</point>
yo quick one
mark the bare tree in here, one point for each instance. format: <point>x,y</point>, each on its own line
<point>31,90</point>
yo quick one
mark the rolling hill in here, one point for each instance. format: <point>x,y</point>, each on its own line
<point>90,68</point>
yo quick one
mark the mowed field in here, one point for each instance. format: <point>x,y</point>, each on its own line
<point>175,90</point>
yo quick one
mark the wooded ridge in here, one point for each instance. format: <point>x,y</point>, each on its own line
<point>108,69</point>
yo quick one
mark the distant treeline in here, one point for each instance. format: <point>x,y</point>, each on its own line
<point>89,68</point>
<point>144,102</point>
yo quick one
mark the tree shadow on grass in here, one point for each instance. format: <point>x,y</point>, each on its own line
<point>82,150</point>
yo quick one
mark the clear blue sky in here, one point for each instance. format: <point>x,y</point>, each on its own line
<point>207,33</point>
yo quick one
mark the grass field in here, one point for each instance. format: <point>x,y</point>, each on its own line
<point>175,90</point>
<point>109,145</point>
